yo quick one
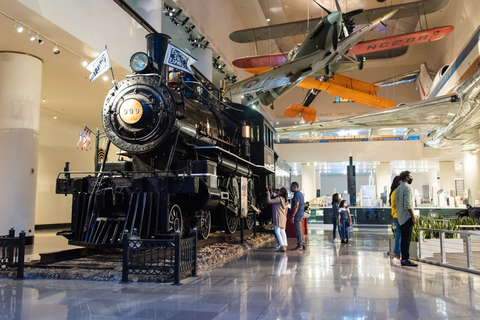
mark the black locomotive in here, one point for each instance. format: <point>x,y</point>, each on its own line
<point>193,159</point>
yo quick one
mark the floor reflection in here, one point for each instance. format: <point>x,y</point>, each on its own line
<point>328,281</point>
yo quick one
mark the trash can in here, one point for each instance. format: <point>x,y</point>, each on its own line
<point>290,230</point>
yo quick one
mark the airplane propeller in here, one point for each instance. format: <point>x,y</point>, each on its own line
<point>348,23</point>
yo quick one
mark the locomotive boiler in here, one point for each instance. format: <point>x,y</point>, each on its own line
<point>193,159</point>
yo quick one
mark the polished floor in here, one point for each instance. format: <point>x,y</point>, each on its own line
<point>327,281</point>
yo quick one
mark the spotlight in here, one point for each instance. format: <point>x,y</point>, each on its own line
<point>205,45</point>
<point>84,63</point>
<point>32,37</point>
<point>189,29</point>
<point>178,12</point>
<point>40,41</point>
<point>105,78</point>
<point>18,27</point>
<point>56,49</point>
<point>185,21</point>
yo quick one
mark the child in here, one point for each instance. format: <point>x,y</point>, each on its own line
<point>344,221</point>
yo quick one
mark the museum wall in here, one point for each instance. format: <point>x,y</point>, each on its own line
<point>96,23</point>
<point>58,139</point>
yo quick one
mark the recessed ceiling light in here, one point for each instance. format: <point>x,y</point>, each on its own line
<point>55,117</point>
<point>43,100</point>
<point>84,63</point>
<point>268,19</point>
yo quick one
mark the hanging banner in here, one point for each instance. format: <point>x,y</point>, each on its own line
<point>98,66</point>
<point>178,59</point>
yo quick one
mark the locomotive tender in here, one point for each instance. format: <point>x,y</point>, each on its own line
<point>194,160</point>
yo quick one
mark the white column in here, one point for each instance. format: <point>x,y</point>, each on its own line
<point>471,169</point>
<point>383,172</point>
<point>150,10</point>
<point>319,182</point>
<point>447,175</point>
<point>204,62</point>
<point>20,94</point>
<point>433,185</point>
<point>308,181</point>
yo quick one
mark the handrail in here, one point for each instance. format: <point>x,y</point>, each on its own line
<point>450,231</point>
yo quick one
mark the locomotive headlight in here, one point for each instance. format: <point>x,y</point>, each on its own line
<point>139,61</point>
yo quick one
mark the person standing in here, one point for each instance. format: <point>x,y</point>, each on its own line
<point>398,235</point>
<point>405,216</point>
<point>344,221</point>
<point>298,205</point>
<point>335,202</point>
<point>280,209</point>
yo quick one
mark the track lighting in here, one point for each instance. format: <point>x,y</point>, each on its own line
<point>185,21</point>
<point>40,41</point>
<point>56,49</point>
<point>32,37</point>
<point>17,26</point>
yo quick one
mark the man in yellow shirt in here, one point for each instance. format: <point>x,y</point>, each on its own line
<point>398,235</point>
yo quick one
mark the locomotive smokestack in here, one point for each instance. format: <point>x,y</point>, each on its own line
<point>157,44</point>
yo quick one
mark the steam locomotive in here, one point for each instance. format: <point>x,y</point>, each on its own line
<point>193,160</point>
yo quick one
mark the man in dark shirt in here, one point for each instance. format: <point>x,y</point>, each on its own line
<point>297,212</point>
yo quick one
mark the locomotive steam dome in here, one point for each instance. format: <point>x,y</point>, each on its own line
<point>139,112</point>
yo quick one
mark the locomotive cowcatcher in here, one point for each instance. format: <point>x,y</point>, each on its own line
<point>193,159</point>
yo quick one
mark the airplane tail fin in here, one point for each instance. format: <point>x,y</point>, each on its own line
<point>424,81</point>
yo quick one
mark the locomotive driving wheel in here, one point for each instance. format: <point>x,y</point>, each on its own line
<point>230,215</point>
<point>230,221</point>
<point>205,225</point>
<point>175,221</point>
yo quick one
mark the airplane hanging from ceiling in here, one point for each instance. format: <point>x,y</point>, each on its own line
<point>448,117</point>
<point>321,55</point>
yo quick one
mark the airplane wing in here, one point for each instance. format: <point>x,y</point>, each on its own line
<point>350,89</point>
<point>301,27</point>
<point>400,40</point>
<point>421,117</point>
<point>297,70</point>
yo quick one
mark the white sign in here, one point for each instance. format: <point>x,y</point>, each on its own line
<point>98,66</point>
<point>178,59</point>
<point>243,197</point>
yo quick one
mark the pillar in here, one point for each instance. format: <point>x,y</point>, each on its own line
<point>433,186</point>
<point>447,175</point>
<point>20,94</point>
<point>204,62</point>
<point>150,10</point>
<point>383,175</point>
<point>308,181</point>
<point>319,183</point>
<point>471,171</point>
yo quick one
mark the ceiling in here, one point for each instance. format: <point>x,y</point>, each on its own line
<point>69,95</point>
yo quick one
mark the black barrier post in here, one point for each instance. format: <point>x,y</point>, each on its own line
<point>125,259</point>
<point>241,230</point>
<point>21,254</point>
<point>194,271</point>
<point>176,274</point>
<point>254,224</point>
<point>11,249</point>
